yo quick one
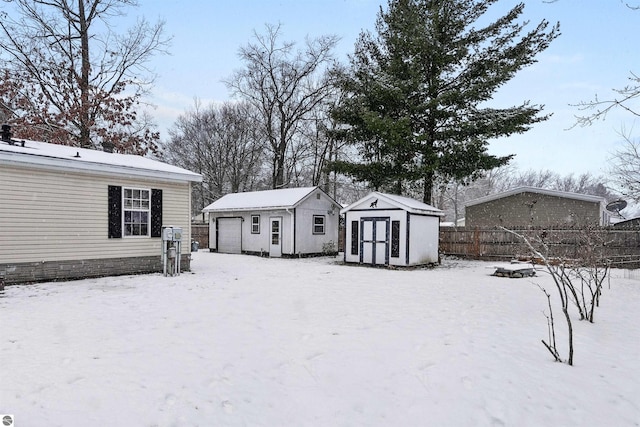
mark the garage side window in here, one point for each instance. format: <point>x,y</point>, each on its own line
<point>255,224</point>
<point>318,224</point>
<point>134,212</point>
<point>354,238</point>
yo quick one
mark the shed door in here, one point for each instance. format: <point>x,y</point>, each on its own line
<point>374,241</point>
<point>230,235</point>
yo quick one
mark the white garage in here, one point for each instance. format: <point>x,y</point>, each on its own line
<point>290,222</point>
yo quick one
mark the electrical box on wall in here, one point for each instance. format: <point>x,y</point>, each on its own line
<point>171,234</point>
<point>171,250</point>
<point>177,234</point>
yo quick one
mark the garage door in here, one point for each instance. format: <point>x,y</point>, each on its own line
<point>230,235</point>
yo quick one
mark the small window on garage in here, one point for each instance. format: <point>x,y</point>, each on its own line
<point>255,224</point>
<point>318,224</point>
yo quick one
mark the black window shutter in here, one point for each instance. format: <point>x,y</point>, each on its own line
<point>115,212</point>
<point>156,213</point>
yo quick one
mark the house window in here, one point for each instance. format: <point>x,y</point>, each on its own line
<point>136,208</point>
<point>354,238</point>
<point>255,224</point>
<point>134,212</point>
<point>318,224</point>
<point>395,239</point>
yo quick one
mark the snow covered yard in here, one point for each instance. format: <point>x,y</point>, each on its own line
<point>248,341</point>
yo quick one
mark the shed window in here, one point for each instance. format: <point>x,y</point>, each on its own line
<point>134,212</point>
<point>395,239</point>
<point>255,224</point>
<point>354,238</point>
<point>318,224</point>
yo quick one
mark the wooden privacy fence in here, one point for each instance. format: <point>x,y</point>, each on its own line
<point>620,247</point>
<point>200,234</point>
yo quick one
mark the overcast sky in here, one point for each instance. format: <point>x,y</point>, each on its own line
<point>595,53</point>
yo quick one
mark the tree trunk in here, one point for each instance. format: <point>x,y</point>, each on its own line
<point>85,125</point>
<point>428,186</point>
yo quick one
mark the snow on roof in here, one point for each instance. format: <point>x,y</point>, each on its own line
<point>406,203</point>
<point>65,157</point>
<point>254,200</point>
<point>409,203</point>
<point>518,190</point>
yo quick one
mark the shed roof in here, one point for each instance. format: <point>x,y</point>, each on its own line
<point>525,189</point>
<point>405,203</point>
<point>64,157</point>
<point>261,200</point>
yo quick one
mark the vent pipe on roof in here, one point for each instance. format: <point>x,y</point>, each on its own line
<point>5,134</point>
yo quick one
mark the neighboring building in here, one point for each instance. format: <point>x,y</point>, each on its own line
<point>385,229</point>
<point>69,212</point>
<point>287,222</point>
<point>536,207</point>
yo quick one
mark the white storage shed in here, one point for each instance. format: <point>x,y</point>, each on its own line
<point>286,222</point>
<point>385,229</point>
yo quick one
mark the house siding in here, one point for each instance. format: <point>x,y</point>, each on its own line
<point>533,209</point>
<point>424,239</point>
<point>306,241</point>
<point>48,216</point>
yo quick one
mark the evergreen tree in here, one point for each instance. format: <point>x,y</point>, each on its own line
<point>420,88</point>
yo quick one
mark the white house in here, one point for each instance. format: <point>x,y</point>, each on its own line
<point>69,212</point>
<point>385,229</point>
<point>287,222</point>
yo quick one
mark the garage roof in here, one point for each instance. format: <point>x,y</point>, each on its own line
<point>262,200</point>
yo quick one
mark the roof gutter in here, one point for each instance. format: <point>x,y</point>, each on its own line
<point>54,163</point>
<point>293,230</point>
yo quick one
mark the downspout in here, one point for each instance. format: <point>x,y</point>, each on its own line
<point>293,230</point>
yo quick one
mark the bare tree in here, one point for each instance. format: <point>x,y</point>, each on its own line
<point>80,82</point>
<point>556,272</point>
<point>285,85</point>
<point>624,98</point>
<point>625,168</point>
<point>578,277</point>
<point>221,142</point>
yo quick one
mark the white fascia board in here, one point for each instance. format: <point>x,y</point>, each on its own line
<point>57,164</point>
<point>248,210</point>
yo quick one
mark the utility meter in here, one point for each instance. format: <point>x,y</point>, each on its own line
<point>177,234</point>
<point>171,249</point>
